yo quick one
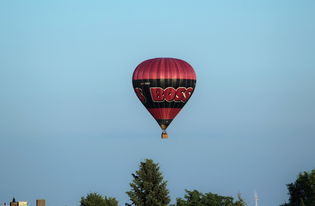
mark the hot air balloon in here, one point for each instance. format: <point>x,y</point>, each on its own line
<point>164,85</point>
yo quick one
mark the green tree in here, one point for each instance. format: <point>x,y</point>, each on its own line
<point>95,199</point>
<point>302,191</point>
<point>148,187</point>
<point>196,198</point>
<point>240,201</point>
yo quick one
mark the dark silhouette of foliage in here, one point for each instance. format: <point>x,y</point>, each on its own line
<point>196,198</point>
<point>148,187</point>
<point>302,191</point>
<point>95,199</point>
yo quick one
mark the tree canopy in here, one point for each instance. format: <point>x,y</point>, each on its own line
<point>196,198</point>
<point>302,191</point>
<point>95,199</point>
<point>148,187</point>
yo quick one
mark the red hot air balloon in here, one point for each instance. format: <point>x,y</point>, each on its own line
<point>164,85</point>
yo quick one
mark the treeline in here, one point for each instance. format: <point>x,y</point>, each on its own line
<point>148,188</point>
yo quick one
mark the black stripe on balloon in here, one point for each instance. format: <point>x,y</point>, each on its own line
<point>165,122</point>
<point>164,83</point>
<point>146,84</point>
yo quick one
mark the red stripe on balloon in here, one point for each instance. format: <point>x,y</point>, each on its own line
<point>164,68</point>
<point>164,113</point>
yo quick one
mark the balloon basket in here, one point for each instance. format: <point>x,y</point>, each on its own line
<point>164,135</point>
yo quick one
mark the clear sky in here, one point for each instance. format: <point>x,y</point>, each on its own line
<point>70,122</point>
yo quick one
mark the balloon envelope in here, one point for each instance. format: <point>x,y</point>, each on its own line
<point>164,85</point>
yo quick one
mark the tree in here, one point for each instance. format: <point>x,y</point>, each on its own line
<point>148,187</point>
<point>196,198</point>
<point>95,199</point>
<point>302,191</point>
<point>240,201</point>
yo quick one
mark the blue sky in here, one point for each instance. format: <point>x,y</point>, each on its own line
<point>70,122</point>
